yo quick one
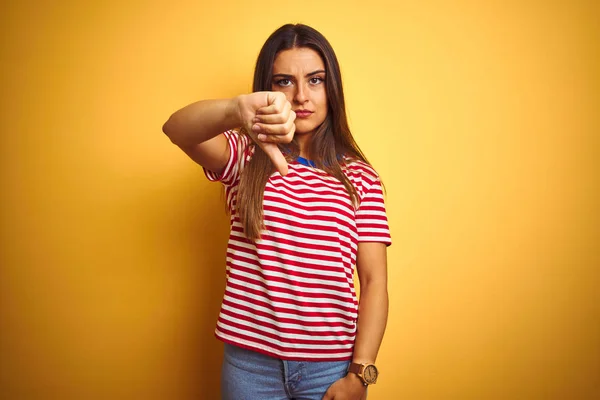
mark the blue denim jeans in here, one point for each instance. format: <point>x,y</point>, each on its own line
<point>249,375</point>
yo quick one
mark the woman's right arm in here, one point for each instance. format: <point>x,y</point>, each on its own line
<point>197,128</point>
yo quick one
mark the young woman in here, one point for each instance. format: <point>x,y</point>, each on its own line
<point>306,207</point>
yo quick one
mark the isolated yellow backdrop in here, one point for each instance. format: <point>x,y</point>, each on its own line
<point>481,120</point>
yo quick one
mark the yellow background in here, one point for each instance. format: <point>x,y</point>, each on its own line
<point>481,118</point>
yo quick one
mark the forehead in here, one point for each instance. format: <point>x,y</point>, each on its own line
<point>299,60</point>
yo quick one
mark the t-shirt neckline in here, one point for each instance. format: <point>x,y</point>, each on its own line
<point>304,161</point>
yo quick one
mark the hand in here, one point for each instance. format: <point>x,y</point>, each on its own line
<point>268,118</point>
<point>349,387</point>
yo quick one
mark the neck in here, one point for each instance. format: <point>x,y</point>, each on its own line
<point>303,141</point>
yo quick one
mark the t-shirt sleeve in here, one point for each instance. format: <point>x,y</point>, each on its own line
<point>371,218</point>
<point>238,156</point>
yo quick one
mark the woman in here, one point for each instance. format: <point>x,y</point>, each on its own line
<point>305,207</point>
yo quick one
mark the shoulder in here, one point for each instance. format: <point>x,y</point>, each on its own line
<point>240,142</point>
<point>237,135</point>
<point>358,169</point>
<point>362,176</point>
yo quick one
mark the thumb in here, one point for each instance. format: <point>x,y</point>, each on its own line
<point>276,157</point>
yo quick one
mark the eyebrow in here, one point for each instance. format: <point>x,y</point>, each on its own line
<point>286,76</point>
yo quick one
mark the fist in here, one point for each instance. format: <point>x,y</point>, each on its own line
<point>268,118</point>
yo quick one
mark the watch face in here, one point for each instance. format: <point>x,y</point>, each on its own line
<point>370,374</point>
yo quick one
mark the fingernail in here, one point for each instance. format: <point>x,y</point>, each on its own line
<point>262,137</point>
<point>256,119</point>
<point>256,128</point>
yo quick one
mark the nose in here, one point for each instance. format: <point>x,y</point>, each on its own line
<point>300,96</point>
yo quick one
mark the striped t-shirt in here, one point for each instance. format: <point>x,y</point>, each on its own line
<point>291,294</point>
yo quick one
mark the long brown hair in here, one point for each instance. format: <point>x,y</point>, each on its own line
<point>329,143</point>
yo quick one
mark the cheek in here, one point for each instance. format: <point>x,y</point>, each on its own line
<point>323,106</point>
<point>322,100</point>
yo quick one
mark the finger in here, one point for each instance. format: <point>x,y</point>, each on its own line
<point>279,118</point>
<point>272,109</point>
<point>268,138</point>
<point>276,157</point>
<point>273,129</point>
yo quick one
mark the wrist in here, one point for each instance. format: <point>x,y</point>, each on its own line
<point>359,360</point>
<point>354,379</point>
<point>367,373</point>
<point>234,113</point>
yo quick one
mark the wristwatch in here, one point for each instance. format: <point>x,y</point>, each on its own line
<point>367,372</point>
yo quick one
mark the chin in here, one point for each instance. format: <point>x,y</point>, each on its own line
<point>303,129</point>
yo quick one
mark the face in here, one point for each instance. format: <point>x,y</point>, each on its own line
<point>300,74</point>
<point>370,374</point>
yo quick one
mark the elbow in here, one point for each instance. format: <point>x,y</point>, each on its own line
<point>166,128</point>
<point>170,130</point>
<point>375,285</point>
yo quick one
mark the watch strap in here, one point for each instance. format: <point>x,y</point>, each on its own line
<point>359,370</point>
<point>356,368</point>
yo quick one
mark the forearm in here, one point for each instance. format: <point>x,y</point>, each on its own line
<point>372,320</point>
<point>201,121</point>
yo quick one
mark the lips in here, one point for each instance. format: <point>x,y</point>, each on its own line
<point>303,113</point>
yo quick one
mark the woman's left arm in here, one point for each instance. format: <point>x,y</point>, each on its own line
<point>371,265</point>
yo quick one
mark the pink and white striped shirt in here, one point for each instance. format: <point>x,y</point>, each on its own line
<point>291,294</point>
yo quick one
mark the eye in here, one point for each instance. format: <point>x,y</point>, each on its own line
<point>316,80</point>
<point>283,82</point>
